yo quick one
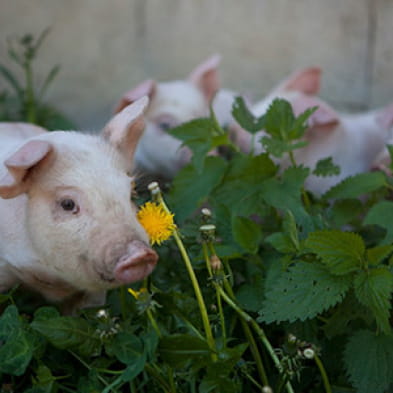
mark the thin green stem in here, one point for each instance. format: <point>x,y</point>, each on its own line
<point>322,370</point>
<point>259,331</point>
<point>219,302</point>
<point>194,281</point>
<point>153,322</point>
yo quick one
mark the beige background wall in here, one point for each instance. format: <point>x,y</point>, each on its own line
<point>108,46</point>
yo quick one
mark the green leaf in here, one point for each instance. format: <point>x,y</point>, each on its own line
<point>345,210</point>
<point>285,194</point>
<point>127,348</point>
<point>247,233</point>
<point>341,252</point>
<point>277,147</point>
<point>69,333</point>
<point>302,292</point>
<point>326,167</point>
<point>373,288</point>
<point>178,350</point>
<point>376,255</point>
<point>281,123</point>
<point>368,359</point>
<point>245,118</point>
<point>16,350</point>
<point>355,186</point>
<point>190,190</point>
<point>201,136</point>
<point>381,214</point>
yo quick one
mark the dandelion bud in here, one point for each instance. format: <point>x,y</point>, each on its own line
<point>102,314</point>
<point>208,232</point>
<point>309,353</point>
<point>154,188</point>
<point>267,389</point>
<point>215,263</point>
<point>291,338</point>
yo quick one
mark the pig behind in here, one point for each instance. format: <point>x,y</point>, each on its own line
<point>352,140</point>
<point>171,104</point>
<point>68,229</point>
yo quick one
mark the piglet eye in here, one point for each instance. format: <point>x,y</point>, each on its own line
<point>165,126</point>
<point>69,205</point>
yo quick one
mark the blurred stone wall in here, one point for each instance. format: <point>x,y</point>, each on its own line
<point>107,46</point>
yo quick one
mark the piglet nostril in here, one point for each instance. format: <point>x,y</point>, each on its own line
<point>138,262</point>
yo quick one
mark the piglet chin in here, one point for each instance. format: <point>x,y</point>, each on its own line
<point>138,263</point>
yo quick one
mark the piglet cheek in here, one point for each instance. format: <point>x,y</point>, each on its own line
<point>138,262</point>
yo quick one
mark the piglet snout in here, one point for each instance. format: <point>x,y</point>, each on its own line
<point>138,262</point>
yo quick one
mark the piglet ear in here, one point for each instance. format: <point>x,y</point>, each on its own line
<point>206,77</point>
<point>19,166</point>
<point>385,117</point>
<point>126,127</point>
<point>145,88</point>
<point>324,117</point>
<point>307,80</point>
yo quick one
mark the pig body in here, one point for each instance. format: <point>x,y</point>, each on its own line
<point>68,229</point>
<point>352,140</point>
<point>171,104</point>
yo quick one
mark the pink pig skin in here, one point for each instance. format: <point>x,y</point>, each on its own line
<point>352,140</point>
<point>68,229</point>
<point>171,104</point>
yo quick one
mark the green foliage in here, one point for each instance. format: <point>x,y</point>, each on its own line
<point>368,359</point>
<point>299,297</point>
<point>25,100</point>
<point>302,292</point>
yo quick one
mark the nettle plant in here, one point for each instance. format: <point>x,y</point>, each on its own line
<point>24,98</point>
<point>261,286</point>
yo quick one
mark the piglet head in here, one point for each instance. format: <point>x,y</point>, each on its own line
<point>78,217</point>
<point>171,104</point>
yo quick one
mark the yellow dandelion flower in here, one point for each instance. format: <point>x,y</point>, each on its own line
<point>157,222</point>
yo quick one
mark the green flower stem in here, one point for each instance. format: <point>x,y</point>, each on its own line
<point>261,334</point>
<point>153,322</point>
<point>198,295</point>
<point>219,302</point>
<point>156,193</point>
<point>87,366</point>
<point>322,370</point>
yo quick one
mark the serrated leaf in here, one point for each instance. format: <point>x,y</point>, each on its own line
<point>326,167</point>
<point>247,233</point>
<point>69,333</point>
<point>245,118</point>
<point>381,214</point>
<point>281,242</point>
<point>201,136</point>
<point>277,147</point>
<point>368,359</point>
<point>373,288</point>
<point>190,190</point>
<point>302,292</point>
<point>341,252</point>
<point>285,193</point>
<point>357,185</point>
